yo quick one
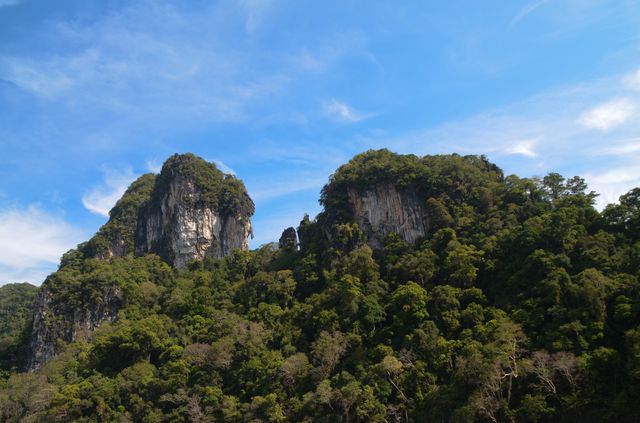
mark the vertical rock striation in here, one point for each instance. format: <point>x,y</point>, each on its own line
<point>180,228</point>
<point>383,209</point>
<point>288,240</point>
<point>55,320</point>
<point>195,211</point>
<point>189,211</point>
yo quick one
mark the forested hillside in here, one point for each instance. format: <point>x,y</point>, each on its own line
<point>518,301</point>
<point>16,314</point>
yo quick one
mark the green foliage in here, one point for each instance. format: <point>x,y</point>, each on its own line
<point>470,179</point>
<point>16,314</point>
<point>119,231</point>
<point>223,192</point>
<point>522,304</point>
<point>213,189</point>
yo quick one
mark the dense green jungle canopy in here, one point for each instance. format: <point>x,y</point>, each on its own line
<point>522,303</point>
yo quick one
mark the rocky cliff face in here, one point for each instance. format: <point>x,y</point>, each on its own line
<point>288,240</point>
<point>384,209</point>
<point>413,196</point>
<point>179,227</point>
<point>116,237</point>
<point>189,211</point>
<point>55,320</point>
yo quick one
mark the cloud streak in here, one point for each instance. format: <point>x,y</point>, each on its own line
<point>341,111</point>
<point>279,187</point>
<point>612,183</point>
<point>32,242</point>
<point>632,80</point>
<point>524,148</point>
<point>525,11</point>
<point>145,64</point>
<point>5,3</point>
<point>256,11</point>
<point>101,199</point>
<point>223,167</point>
<point>608,115</point>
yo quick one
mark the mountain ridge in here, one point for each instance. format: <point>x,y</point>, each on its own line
<point>429,288</point>
<point>189,211</point>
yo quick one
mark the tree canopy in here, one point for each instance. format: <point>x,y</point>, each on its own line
<point>522,304</point>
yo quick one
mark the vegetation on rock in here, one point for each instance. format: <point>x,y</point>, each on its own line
<point>16,314</point>
<point>123,219</point>
<point>216,189</point>
<point>522,304</point>
<point>225,194</point>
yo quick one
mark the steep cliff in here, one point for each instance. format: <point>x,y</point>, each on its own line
<point>58,319</point>
<point>189,211</point>
<point>194,211</point>
<point>411,196</point>
<point>384,209</point>
<point>116,237</point>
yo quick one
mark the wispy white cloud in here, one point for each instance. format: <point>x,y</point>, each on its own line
<point>279,187</point>
<point>102,198</point>
<point>525,11</point>
<point>309,61</point>
<point>32,242</point>
<point>632,80</point>
<point>341,111</point>
<point>256,11</point>
<point>223,167</point>
<point>622,148</point>
<point>524,148</point>
<point>612,183</point>
<point>608,115</point>
<point>312,167</point>
<point>4,3</point>
<point>26,74</point>
<point>153,166</point>
<point>152,62</point>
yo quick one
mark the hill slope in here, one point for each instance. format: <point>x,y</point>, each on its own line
<point>16,314</point>
<point>492,299</point>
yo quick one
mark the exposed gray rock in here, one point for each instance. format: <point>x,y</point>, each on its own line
<point>288,240</point>
<point>383,209</point>
<point>117,247</point>
<point>116,237</point>
<point>190,211</point>
<point>181,229</point>
<point>55,320</point>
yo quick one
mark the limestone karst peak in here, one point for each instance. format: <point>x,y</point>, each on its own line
<point>189,211</point>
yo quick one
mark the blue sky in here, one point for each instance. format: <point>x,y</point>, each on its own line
<point>281,92</point>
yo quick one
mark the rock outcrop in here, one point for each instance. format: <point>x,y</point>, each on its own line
<point>288,240</point>
<point>180,224</point>
<point>384,209</point>
<point>55,320</point>
<point>384,192</point>
<point>189,211</point>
